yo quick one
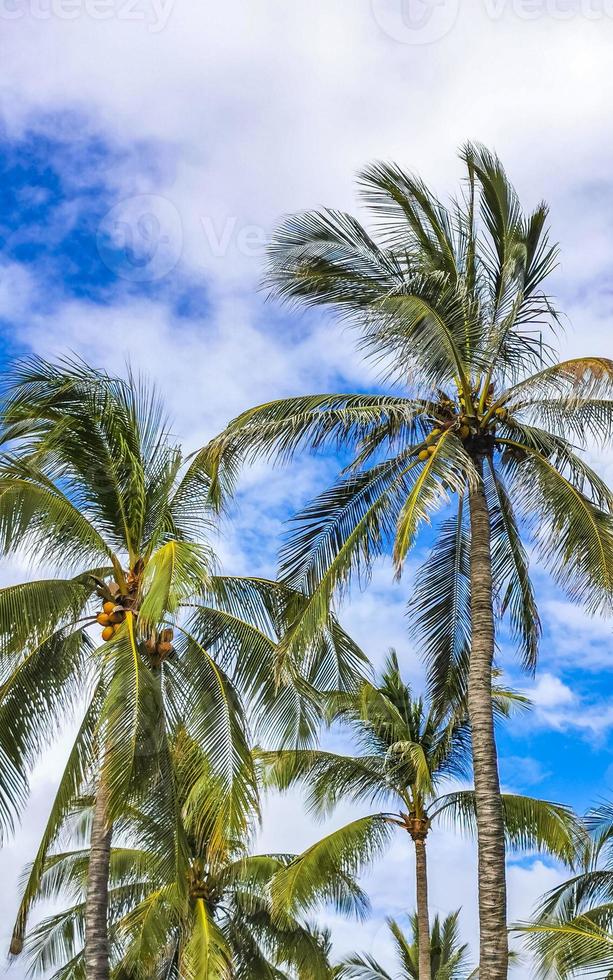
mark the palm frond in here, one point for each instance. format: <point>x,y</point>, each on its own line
<point>324,872</point>
<point>530,824</point>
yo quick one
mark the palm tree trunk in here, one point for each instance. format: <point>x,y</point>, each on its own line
<point>490,827</point>
<point>423,915</point>
<point>97,898</point>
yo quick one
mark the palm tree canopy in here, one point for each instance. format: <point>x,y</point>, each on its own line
<point>448,956</point>
<point>407,749</point>
<point>450,301</point>
<point>203,912</point>
<point>92,485</point>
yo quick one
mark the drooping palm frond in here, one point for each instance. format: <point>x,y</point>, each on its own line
<point>530,824</point>
<point>324,872</point>
<point>42,692</point>
<point>582,946</point>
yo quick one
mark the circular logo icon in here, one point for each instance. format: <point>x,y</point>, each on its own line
<point>141,238</point>
<point>415,21</point>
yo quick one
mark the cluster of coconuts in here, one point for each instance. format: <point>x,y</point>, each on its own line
<point>110,618</point>
<point>160,646</point>
<point>464,431</point>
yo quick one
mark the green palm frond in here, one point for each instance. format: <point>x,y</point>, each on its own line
<point>448,464</point>
<point>33,611</point>
<point>582,946</point>
<point>131,718</point>
<point>511,573</point>
<point>80,764</point>
<point>448,956</point>
<point>325,870</point>
<point>41,692</point>
<point>329,778</point>
<point>574,535</point>
<point>440,610</point>
<point>530,824</point>
<point>173,575</point>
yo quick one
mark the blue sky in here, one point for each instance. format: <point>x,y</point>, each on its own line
<point>144,159</point>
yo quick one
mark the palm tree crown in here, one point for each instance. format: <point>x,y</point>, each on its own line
<point>407,751</point>
<point>450,302</point>
<point>480,426</point>
<point>448,956</point>
<point>203,912</point>
<point>93,486</point>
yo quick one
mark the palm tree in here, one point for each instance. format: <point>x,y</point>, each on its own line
<point>449,300</point>
<point>448,956</point>
<point>407,749</point>
<point>94,487</point>
<point>572,933</point>
<point>203,914</point>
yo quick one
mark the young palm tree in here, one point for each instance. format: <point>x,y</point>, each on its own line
<point>407,749</point>
<point>94,488</point>
<point>205,915</point>
<point>448,956</point>
<point>572,934</point>
<point>449,300</point>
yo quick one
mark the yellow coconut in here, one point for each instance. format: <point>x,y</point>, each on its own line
<point>116,617</point>
<point>423,454</point>
<point>103,619</point>
<point>432,450</point>
<point>107,633</point>
<point>108,607</point>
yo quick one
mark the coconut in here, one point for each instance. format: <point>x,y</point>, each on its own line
<point>117,617</point>
<point>107,633</point>
<point>103,619</point>
<point>164,649</point>
<point>424,454</point>
<point>431,450</point>
<point>108,607</point>
<point>464,431</point>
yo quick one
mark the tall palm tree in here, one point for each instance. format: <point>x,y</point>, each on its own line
<point>448,956</point>
<point>449,300</point>
<point>406,751</point>
<point>205,914</point>
<point>572,932</point>
<point>94,487</point>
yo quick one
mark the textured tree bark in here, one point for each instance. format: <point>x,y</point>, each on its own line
<point>493,961</point>
<point>423,914</point>
<point>96,907</point>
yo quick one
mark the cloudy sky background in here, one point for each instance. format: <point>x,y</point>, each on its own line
<point>146,151</point>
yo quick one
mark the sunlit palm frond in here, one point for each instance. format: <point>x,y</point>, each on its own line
<point>41,692</point>
<point>325,870</point>
<point>530,824</point>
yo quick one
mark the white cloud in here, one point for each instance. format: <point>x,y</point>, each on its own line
<point>550,692</point>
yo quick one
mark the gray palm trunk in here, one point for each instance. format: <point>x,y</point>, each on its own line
<point>96,904</point>
<point>493,954</point>
<point>423,915</point>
